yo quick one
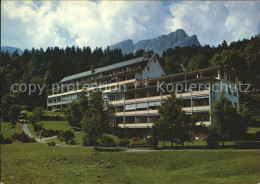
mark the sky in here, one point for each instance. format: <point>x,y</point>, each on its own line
<point>45,24</point>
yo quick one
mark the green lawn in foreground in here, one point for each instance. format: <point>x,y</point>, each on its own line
<point>39,163</point>
<point>6,129</point>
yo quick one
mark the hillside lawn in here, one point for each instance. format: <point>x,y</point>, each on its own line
<point>40,163</point>
<point>55,125</point>
<point>6,129</point>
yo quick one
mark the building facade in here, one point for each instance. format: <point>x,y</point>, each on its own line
<point>133,89</point>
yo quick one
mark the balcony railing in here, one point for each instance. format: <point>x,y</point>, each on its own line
<point>196,108</point>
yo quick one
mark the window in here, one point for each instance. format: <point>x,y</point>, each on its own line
<point>154,60</point>
<point>148,68</point>
<point>112,98</point>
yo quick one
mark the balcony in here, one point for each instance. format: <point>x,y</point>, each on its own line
<point>196,108</point>
<point>133,113</point>
<point>145,125</point>
<point>110,84</point>
<point>136,125</point>
<point>65,93</point>
<point>206,123</point>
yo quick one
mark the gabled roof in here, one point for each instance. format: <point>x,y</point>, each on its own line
<point>99,70</point>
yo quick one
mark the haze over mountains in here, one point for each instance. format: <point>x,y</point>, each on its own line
<point>158,45</point>
<point>11,50</point>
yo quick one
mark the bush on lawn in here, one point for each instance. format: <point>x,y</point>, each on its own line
<point>107,141</point>
<point>124,142</point>
<point>23,138</point>
<point>71,142</point>
<point>136,139</point>
<point>4,140</point>
<point>140,143</point>
<point>52,143</point>
<point>53,118</point>
<point>48,132</point>
<point>85,140</point>
<point>36,126</point>
<point>212,138</point>
<point>66,135</point>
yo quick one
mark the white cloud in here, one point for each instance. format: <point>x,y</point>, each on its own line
<point>214,21</point>
<point>86,23</point>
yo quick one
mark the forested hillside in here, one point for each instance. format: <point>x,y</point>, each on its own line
<point>51,65</point>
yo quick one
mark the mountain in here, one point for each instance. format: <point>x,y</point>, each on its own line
<point>11,50</point>
<point>159,44</point>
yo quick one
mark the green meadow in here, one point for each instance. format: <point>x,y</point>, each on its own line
<point>40,163</point>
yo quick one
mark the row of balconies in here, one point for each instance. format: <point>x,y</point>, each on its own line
<point>149,125</point>
<point>94,87</point>
<point>155,111</point>
<point>180,95</point>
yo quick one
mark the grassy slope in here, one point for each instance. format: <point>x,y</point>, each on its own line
<point>39,163</point>
<point>6,129</point>
<point>56,125</point>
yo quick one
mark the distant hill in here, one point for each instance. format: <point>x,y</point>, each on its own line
<point>11,50</point>
<point>159,44</point>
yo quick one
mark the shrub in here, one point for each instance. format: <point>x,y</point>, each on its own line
<point>53,118</point>
<point>107,141</point>
<point>48,132</point>
<point>124,142</point>
<point>52,143</point>
<point>71,142</point>
<point>65,135</point>
<point>136,139</point>
<point>213,137</point>
<point>37,127</point>
<point>60,136</point>
<point>140,143</point>
<point>85,140</point>
<point>23,138</point>
<point>7,140</point>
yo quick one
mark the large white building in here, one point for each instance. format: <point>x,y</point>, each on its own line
<point>132,89</point>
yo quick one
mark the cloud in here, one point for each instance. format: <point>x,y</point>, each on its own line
<point>81,23</point>
<point>214,21</point>
<point>30,24</point>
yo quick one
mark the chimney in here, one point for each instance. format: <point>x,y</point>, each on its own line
<point>146,55</point>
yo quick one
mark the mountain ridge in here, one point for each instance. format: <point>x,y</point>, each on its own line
<point>158,44</point>
<point>11,49</point>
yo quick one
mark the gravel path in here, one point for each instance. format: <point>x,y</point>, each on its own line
<point>29,133</point>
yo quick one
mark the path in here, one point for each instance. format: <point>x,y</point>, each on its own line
<point>29,133</point>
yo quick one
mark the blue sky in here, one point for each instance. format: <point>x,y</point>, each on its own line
<point>30,24</point>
